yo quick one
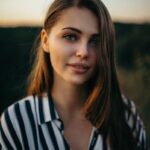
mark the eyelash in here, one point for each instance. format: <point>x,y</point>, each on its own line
<point>95,42</point>
<point>73,37</point>
<point>70,37</point>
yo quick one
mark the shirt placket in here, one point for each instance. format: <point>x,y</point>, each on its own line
<point>60,126</point>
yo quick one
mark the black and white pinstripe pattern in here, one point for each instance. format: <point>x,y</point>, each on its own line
<point>135,123</point>
<point>34,124</point>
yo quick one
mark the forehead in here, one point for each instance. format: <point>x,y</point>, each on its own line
<point>80,18</point>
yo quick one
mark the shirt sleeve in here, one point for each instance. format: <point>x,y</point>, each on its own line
<point>9,139</point>
<point>135,123</point>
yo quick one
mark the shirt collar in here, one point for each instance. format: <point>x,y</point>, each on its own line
<point>45,109</point>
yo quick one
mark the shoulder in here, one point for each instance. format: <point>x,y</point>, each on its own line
<point>16,111</point>
<point>134,122</point>
<point>20,105</point>
<point>13,120</point>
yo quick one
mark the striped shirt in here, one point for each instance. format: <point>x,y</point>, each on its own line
<point>34,124</point>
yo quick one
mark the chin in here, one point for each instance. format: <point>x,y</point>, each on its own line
<point>78,81</point>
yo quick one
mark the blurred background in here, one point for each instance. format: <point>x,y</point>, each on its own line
<point>21,21</point>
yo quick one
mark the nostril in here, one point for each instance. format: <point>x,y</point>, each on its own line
<point>82,54</point>
<point>82,49</point>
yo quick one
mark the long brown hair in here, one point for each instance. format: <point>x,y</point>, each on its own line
<point>104,106</point>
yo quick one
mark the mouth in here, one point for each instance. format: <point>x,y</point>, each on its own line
<point>79,68</point>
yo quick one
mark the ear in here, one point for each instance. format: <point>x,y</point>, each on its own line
<point>44,40</point>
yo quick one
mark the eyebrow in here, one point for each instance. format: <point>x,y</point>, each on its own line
<point>73,29</point>
<point>78,31</point>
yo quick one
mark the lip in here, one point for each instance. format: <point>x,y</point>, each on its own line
<point>79,68</point>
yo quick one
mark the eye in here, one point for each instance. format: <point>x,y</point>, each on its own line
<point>70,37</point>
<point>94,42</point>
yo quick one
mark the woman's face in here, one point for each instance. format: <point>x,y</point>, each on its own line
<point>72,45</point>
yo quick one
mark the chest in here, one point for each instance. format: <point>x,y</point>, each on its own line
<point>79,137</point>
<point>50,136</point>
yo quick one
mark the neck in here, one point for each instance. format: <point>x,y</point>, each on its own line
<point>69,96</point>
<point>69,100</point>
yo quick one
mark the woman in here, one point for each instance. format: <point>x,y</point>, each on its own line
<point>75,100</point>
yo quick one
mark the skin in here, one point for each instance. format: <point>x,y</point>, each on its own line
<point>72,45</point>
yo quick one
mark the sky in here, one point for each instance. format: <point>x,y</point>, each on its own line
<point>32,12</point>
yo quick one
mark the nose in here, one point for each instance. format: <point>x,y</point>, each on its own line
<point>82,51</point>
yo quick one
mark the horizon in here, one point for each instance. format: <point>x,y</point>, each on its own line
<point>13,14</point>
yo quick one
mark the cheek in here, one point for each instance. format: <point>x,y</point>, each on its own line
<point>93,57</point>
<point>58,55</point>
<point>55,57</point>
